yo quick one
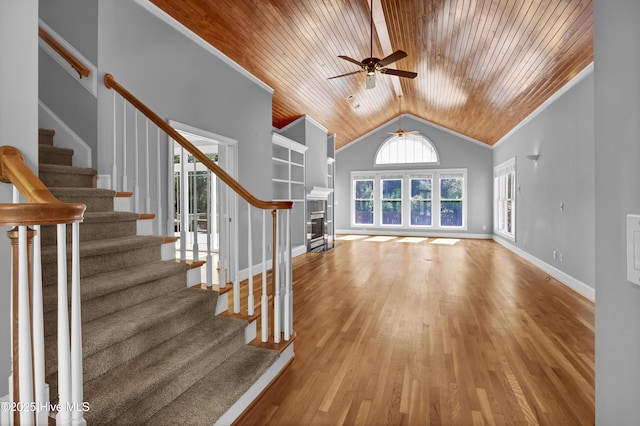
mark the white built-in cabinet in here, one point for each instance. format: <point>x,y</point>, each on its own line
<point>288,177</point>
<point>331,235</point>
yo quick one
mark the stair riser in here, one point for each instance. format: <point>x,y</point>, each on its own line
<point>93,203</point>
<point>117,301</point>
<point>90,265</point>
<point>45,137</point>
<point>58,158</point>
<point>92,231</point>
<point>142,410</point>
<point>68,180</point>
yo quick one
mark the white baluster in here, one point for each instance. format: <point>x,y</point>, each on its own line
<point>287,278</point>
<point>183,204</point>
<point>209,264</point>
<point>159,183</point>
<point>24,328</point>
<point>264,310</point>
<point>16,195</point>
<point>250,301</point>
<point>236,255</point>
<point>136,164</point>
<point>64,374</point>
<point>76,330</point>
<point>41,389</point>
<point>276,284</point>
<point>146,169</point>
<point>125,183</point>
<point>114,169</point>
<point>194,208</point>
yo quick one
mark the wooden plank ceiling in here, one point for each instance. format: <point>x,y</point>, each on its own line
<point>483,65</point>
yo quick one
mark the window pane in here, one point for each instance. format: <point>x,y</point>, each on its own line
<point>364,212</point>
<point>420,189</point>
<point>392,189</point>
<point>392,212</point>
<point>421,213</point>
<point>451,188</point>
<point>451,213</point>
<point>364,189</point>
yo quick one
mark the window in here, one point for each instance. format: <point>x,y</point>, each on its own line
<point>392,201</point>
<point>504,185</point>
<point>410,199</point>
<point>451,200</point>
<point>421,201</point>
<point>363,201</point>
<point>407,148</point>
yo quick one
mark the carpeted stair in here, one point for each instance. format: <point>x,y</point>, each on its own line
<point>153,350</point>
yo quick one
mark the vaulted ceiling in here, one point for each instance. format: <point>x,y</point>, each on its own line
<point>483,65</point>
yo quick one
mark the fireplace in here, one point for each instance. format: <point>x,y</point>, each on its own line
<point>316,235</point>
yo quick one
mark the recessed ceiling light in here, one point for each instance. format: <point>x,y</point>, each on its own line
<point>350,97</point>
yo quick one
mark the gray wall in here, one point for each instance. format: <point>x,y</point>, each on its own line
<point>18,127</point>
<point>454,152</point>
<point>563,135</point>
<point>617,193</point>
<point>179,80</point>
<point>77,22</point>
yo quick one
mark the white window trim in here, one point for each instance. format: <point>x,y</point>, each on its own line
<point>411,163</point>
<point>501,169</point>
<point>406,175</point>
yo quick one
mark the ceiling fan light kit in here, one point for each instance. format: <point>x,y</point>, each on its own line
<point>371,65</point>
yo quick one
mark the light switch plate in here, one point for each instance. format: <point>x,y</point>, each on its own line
<point>633,248</point>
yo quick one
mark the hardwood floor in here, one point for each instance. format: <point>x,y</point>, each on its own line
<point>397,333</point>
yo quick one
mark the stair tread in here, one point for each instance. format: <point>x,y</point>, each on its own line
<point>104,246</point>
<point>110,282</point>
<point>82,192</point>
<point>53,148</point>
<point>109,216</point>
<point>56,168</point>
<point>140,377</point>
<point>225,385</point>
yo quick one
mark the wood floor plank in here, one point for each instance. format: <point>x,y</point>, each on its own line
<point>416,334</point>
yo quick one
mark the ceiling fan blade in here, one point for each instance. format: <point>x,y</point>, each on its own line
<point>346,58</point>
<point>395,56</point>
<point>371,81</point>
<point>399,73</point>
<point>344,75</point>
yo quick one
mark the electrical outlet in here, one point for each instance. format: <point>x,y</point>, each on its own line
<point>561,257</point>
<point>555,255</point>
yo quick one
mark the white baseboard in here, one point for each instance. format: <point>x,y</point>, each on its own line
<point>223,303</point>
<point>407,233</point>
<point>566,279</point>
<point>194,276</point>
<point>104,181</point>
<point>64,137</point>
<point>250,332</point>
<point>144,227</point>
<point>256,389</point>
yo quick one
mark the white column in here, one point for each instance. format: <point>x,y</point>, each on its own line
<point>76,330</point>
<point>64,373</point>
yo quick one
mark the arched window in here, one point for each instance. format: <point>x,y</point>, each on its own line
<point>407,148</point>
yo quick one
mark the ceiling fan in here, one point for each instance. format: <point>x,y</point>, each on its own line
<point>372,65</point>
<point>401,133</point>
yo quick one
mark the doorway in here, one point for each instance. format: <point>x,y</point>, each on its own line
<point>201,206</point>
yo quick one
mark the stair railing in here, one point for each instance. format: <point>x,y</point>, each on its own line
<point>29,393</point>
<point>279,297</point>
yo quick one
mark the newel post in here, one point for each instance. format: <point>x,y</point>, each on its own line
<point>22,323</point>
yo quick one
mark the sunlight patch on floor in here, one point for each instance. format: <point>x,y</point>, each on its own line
<point>412,240</point>
<point>445,241</point>
<point>380,239</point>
<point>351,237</point>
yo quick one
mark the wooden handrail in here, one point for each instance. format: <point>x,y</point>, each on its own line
<point>75,63</point>
<point>111,83</point>
<point>45,208</point>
